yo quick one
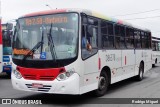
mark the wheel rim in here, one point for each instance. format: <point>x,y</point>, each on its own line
<point>102,83</point>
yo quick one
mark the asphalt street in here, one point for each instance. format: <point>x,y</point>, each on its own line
<point>149,87</point>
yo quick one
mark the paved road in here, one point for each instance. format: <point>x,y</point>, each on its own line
<point>148,88</point>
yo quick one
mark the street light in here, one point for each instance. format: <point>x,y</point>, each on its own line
<point>49,6</point>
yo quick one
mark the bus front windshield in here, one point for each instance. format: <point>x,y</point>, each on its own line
<point>47,37</point>
<point>7,49</point>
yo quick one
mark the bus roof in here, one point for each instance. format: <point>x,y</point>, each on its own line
<point>88,12</point>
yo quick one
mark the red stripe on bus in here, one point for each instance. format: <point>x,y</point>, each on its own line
<point>48,74</point>
<point>125,60</point>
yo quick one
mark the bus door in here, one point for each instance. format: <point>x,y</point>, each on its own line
<point>89,50</point>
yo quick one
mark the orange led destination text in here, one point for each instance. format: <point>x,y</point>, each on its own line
<point>45,20</point>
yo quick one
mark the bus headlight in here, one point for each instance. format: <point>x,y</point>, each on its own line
<point>65,75</point>
<point>17,74</point>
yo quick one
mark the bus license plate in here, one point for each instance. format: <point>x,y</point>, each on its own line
<point>37,85</point>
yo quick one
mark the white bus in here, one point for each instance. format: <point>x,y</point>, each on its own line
<point>74,51</point>
<point>1,49</point>
<point>155,50</point>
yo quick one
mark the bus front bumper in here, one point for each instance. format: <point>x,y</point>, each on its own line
<point>68,86</point>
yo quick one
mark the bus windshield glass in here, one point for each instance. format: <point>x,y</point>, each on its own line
<point>47,37</point>
<point>7,49</point>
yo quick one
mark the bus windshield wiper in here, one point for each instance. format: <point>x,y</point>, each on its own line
<point>35,47</point>
<point>32,50</point>
<point>51,44</point>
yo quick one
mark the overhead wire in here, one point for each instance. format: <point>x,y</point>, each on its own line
<point>139,13</point>
<point>142,18</point>
<point>136,13</point>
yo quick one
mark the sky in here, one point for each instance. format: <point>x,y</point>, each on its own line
<point>128,10</point>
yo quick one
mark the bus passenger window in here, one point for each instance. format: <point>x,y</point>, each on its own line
<point>107,34</point>
<point>137,39</point>
<point>129,38</point>
<point>120,36</point>
<point>117,42</point>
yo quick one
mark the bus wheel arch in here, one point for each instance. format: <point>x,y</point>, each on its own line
<point>103,83</point>
<point>141,71</point>
<point>108,71</point>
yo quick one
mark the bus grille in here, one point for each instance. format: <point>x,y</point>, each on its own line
<point>46,77</point>
<point>30,77</point>
<point>36,77</point>
<point>45,88</point>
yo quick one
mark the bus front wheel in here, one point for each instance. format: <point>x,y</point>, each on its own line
<point>102,84</point>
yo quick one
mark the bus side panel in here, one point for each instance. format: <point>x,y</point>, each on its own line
<point>128,63</point>
<point>113,60</point>
<point>148,60</point>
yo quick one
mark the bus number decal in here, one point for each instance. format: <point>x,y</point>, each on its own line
<point>110,57</point>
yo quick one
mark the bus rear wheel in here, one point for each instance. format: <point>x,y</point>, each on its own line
<point>153,65</point>
<point>102,84</point>
<point>141,72</point>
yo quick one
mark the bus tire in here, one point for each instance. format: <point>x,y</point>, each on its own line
<point>102,84</point>
<point>141,72</point>
<point>154,65</point>
<point>156,61</point>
